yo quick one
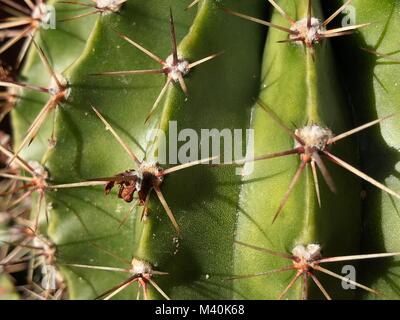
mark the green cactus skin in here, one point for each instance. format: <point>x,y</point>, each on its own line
<point>213,206</point>
<point>311,97</point>
<point>372,84</point>
<point>197,214</point>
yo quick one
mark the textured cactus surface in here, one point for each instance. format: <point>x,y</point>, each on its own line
<point>339,83</point>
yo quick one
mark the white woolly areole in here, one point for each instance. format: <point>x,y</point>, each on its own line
<point>38,169</point>
<point>308,253</point>
<point>180,68</point>
<point>49,251</point>
<point>110,5</point>
<point>40,13</point>
<point>140,267</point>
<point>311,35</point>
<point>54,89</point>
<point>44,244</point>
<point>151,167</point>
<point>314,136</point>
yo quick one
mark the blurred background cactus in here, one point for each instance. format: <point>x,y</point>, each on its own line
<point>89,85</point>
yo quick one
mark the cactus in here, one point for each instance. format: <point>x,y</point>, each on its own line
<point>310,203</point>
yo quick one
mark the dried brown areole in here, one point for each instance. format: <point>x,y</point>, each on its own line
<point>147,177</point>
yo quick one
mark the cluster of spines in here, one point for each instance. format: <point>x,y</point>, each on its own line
<point>149,176</point>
